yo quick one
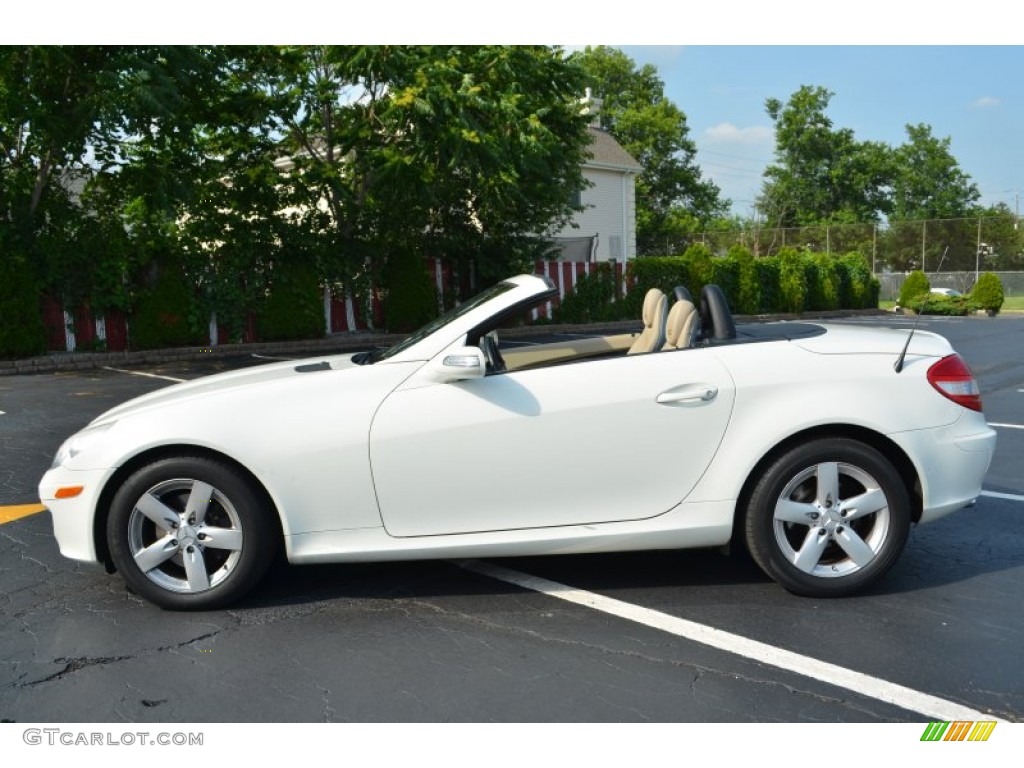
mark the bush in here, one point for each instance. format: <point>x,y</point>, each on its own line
<point>21,325</point>
<point>294,308</point>
<point>748,295</point>
<point>793,281</point>
<point>768,274</point>
<point>988,292</point>
<point>822,282</point>
<point>915,285</point>
<point>855,279</point>
<point>161,316</point>
<point>938,304</point>
<point>593,299</point>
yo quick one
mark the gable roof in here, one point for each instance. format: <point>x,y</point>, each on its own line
<point>606,152</point>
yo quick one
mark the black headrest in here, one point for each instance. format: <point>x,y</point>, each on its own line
<point>715,318</point>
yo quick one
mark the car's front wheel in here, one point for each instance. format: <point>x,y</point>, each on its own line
<point>828,517</point>
<point>190,533</point>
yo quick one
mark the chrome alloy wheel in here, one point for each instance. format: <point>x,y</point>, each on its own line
<point>185,535</point>
<point>831,519</point>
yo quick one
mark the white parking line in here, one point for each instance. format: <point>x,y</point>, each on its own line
<point>1007,496</point>
<point>1006,426</point>
<point>141,373</point>
<point>865,685</point>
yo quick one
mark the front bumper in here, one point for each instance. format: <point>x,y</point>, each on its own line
<point>74,518</point>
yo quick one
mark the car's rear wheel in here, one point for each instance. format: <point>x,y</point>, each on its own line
<point>190,533</point>
<point>828,518</point>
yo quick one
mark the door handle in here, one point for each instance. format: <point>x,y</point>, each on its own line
<point>694,393</point>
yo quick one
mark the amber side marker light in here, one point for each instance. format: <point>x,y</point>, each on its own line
<point>69,491</point>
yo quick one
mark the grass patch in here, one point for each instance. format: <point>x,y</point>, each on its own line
<point>1013,303</point>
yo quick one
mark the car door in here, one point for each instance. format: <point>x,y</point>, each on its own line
<point>580,443</point>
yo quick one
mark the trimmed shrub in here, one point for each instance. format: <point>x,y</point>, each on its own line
<point>988,292</point>
<point>855,278</point>
<point>769,273</point>
<point>294,308</point>
<point>21,325</point>
<point>915,285</point>
<point>748,295</point>
<point>793,280</point>
<point>592,300</point>
<point>938,304</point>
<point>700,268</point>
<point>822,282</point>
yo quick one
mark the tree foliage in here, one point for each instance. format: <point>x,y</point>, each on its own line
<point>823,174</point>
<point>673,198</point>
<point>235,166</point>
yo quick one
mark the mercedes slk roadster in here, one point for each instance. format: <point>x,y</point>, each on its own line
<point>815,446</point>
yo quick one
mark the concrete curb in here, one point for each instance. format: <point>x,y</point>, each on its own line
<point>334,344</point>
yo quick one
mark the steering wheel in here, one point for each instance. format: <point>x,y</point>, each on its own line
<point>489,345</point>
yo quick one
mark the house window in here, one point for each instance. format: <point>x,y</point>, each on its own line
<point>576,199</point>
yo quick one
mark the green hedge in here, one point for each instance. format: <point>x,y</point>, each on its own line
<point>161,314</point>
<point>21,325</point>
<point>792,281</point>
<point>294,308</point>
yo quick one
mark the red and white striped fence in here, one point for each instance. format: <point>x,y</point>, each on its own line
<point>80,329</point>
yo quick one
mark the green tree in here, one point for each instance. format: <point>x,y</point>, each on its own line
<point>673,199</point>
<point>453,151</point>
<point>821,174</point>
<point>928,182</point>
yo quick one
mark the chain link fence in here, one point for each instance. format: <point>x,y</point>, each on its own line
<point>967,245</point>
<point>1013,282</point>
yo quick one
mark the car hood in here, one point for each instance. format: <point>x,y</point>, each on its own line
<point>230,381</point>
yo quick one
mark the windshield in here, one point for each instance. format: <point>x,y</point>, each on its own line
<point>440,322</point>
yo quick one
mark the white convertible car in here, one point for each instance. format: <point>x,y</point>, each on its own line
<point>816,446</point>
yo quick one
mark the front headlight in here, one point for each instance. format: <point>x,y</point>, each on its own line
<point>79,442</point>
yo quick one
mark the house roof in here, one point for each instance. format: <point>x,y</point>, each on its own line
<point>606,152</point>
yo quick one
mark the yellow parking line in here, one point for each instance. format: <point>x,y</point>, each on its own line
<point>7,514</point>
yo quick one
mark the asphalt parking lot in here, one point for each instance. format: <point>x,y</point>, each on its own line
<point>659,636</point>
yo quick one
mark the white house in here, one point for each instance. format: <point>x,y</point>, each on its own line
<point>606,229</point>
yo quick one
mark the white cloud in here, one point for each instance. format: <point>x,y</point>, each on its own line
<point>727,133</point>
<point>985,102</point>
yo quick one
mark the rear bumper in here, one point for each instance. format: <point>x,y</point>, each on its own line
<point>952,462</point>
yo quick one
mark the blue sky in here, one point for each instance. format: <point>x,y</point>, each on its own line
<point>972,94</point>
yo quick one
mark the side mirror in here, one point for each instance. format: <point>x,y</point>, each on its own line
<point>459,364</point>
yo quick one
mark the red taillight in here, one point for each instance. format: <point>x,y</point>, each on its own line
<point>953,379</point>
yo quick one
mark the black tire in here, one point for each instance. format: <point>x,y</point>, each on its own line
<point>190,533</point>
<point>805,529</point>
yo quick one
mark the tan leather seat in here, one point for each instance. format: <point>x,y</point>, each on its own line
<point>655,312</point>
<point>681,326</point>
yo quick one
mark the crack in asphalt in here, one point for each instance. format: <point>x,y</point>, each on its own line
<point>78,663</point>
